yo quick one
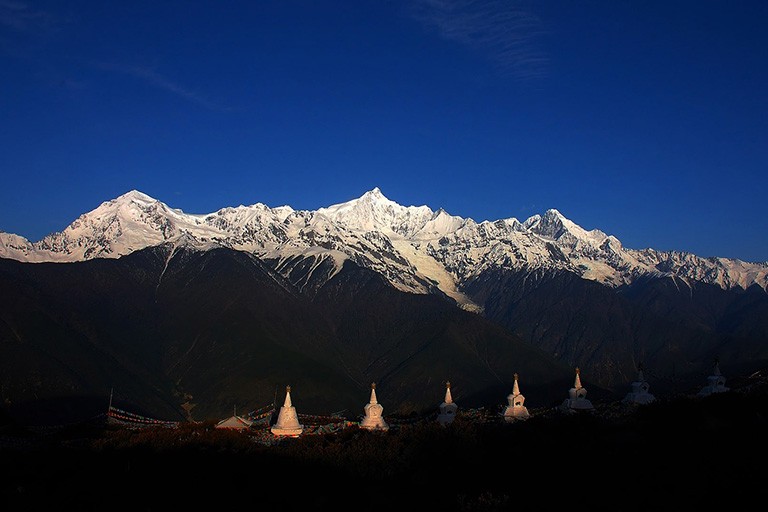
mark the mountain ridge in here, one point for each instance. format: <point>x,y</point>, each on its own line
<point>575,294</point>
<point>417,249</point>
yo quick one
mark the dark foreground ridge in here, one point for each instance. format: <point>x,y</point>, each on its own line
<point>677,453</point>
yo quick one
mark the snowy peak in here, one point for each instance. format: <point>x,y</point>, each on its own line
<point>15,247</point>
<point>374,195</point>
<point>371,200</point>
<point>127,223</point>
<point>550,225</point>
<point>554,226</point>
<point>440,224</point>
<point>374,212</point>
<point>135,196</point>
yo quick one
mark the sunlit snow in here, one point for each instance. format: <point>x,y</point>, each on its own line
<point>415,248</point>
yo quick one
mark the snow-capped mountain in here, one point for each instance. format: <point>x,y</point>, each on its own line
<point>415,248</point>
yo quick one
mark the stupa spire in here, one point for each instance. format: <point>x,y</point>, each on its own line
<point>373,419</point>
<point>639,393</point>
<point>288,419</point>
<point>715,382</point>
<point>516,409</point>
<point>577,397</point>
<point>447,408</point>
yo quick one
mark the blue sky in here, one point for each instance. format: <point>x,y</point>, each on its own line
<point>646,119</point>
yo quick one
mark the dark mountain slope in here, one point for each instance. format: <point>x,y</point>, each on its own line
<point>175,330</point>
<point>673,328</point>
<point>411,344</point>
<point>237,333</point>
<point>579,322</point>
<point>218,326</point>
<point>79,329</point>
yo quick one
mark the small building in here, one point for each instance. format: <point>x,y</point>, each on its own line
<point>288,419</point>
<point>516,409</point>
<point>715,382</point>
<point>577,397</point>
<point>235,422</point>
<point>639,393</point>
<point>374,418</point>
<point>447,408</point>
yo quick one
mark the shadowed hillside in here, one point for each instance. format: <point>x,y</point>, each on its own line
<point>178,332</point>
<point>677,453</point>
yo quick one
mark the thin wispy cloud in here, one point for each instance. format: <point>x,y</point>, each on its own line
<point>502,29</point>
<point>21,17</point>
<point>153,78</point>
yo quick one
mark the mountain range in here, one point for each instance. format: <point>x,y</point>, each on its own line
<point>382,291</point>
<point>417,249</point>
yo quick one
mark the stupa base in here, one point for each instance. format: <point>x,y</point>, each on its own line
<point>287,432</point>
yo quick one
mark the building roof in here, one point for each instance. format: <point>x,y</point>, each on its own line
<point>235,422</point>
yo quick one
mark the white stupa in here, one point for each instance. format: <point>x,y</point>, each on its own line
<point>715,382</point>
<point>447,408</point>
<point>516,410</point>
<point>287,420</point>
<point>374,420</point>
<point>639,393</point>
<point>577,397</point>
